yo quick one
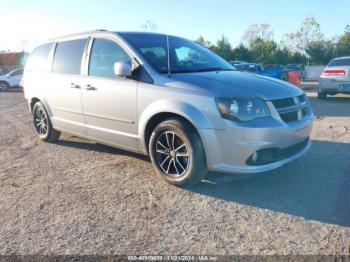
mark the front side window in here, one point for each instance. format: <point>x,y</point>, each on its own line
<point>38,60</point>
<point>68,57</point>
<point>104,54</point>
<point>185,56</point>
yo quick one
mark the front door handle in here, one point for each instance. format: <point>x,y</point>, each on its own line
<point>90,88</point>
<point>72,85</point>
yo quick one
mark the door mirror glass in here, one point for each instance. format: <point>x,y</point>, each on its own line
<point>122,69</point>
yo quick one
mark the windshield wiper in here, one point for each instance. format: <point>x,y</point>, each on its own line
<point>214,69</point>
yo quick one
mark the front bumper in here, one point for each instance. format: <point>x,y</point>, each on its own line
<point>229,150</point>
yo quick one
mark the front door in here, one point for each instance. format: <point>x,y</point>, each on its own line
<point>109,102</point>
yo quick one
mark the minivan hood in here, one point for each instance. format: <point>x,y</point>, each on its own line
<point>237,84</point>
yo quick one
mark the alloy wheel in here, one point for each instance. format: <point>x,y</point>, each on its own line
<point>41,122</point>
<point>172,154</point>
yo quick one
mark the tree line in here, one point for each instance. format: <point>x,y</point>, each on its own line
<point>306,45</point>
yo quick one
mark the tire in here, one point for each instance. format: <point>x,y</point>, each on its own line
<point>322,95</point>
<point>177,153</point>
<point>42,124</point>
<point>4,86</point>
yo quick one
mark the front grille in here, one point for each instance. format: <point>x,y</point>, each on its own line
<point>292,109</point>
<point>285,102</point>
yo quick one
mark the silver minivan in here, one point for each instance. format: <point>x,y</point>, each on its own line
<point>166,97</point>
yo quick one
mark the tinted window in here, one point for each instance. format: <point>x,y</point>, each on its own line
<point>68,57</point>
<point>38,60</point>
<point>340,62</point>
<point>104,54</point>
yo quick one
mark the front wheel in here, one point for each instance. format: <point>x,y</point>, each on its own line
<point>43,125</point>
<point>4,87</point>
<point>177,153</point>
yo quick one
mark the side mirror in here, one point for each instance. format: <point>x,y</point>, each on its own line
<point>122,69</point>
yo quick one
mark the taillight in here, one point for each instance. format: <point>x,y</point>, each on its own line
<point>337,72</point>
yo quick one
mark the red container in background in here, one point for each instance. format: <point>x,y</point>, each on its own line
<point>294,78</point>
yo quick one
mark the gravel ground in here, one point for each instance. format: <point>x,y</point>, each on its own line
<point>77,197</point>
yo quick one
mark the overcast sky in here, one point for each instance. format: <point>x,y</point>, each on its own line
<point>26,23</point>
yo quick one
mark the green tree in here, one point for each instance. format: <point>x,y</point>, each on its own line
<point>200,40</point>
<point>242,53</point>
<point>223,48</point>
<point>263,51</point>
<point>343,45</point>
<point>320,52</point>
<point>282,56</point>
<point>297,58</point>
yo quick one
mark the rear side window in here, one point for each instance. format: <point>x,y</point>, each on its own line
<point>104,54</point>
<point>38,61</point>
<point>68,57</point>
<point>340,62</point>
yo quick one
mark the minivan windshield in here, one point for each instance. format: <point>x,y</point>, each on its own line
<point>185,55</point>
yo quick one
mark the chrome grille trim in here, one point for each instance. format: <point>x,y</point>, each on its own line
<point>292,109</point>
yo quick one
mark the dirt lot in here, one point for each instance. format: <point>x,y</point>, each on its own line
<point>78,197</point>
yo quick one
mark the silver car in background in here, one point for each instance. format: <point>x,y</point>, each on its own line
<point>11,79</point>
<point>335,79</point>
<point>166,97</point>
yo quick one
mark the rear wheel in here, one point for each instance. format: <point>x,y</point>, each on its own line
<point>4,87</point>
<point>43,125</point>
<point>177,153</point>
<point>322,95</point>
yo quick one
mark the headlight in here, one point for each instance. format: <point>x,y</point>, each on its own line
<point>242,109</point>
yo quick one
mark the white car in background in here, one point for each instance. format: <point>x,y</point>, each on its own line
<point>12,79</point>
<point>335,79</point>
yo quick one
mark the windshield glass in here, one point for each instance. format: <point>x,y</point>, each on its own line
<point>185,56</point>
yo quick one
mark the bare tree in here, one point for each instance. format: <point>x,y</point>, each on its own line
<point>261,31</point>
<point>149,26</point>
<point>307,33</point>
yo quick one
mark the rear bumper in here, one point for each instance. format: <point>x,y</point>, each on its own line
<point>333,86</point>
